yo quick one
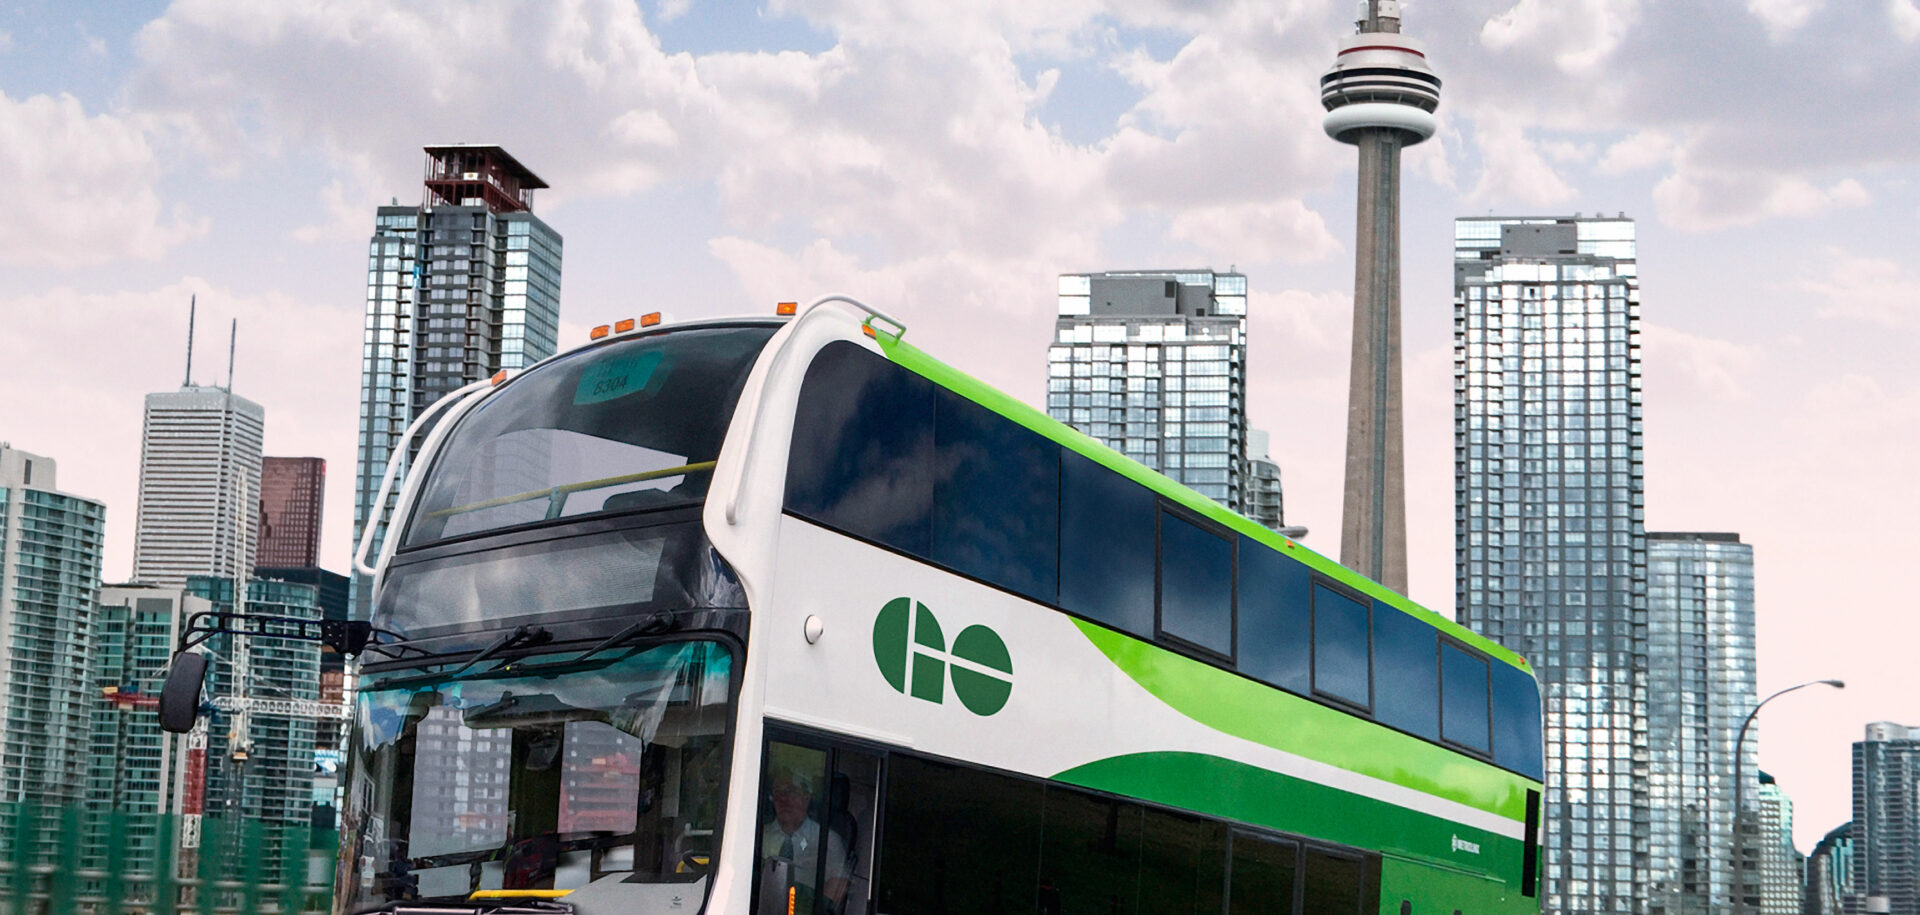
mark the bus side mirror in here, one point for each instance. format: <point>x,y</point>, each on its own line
<point>180,697</point>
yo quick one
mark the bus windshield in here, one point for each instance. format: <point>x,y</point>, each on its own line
<point>632,424</point>
<point>536,777</point>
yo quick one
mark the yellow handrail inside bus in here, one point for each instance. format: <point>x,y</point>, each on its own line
<point>569,488</point>
<point>517,894</point>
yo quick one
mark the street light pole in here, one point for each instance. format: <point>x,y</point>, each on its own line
<point>1740,784</point>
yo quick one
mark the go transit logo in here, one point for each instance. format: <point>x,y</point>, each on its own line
<point>912,654</point>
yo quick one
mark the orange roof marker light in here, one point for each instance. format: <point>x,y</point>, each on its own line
<point>787,309</point>
<point>598,332</point>
<point>868,330</point>
<point>499,376</point>
<point>623,325</point>
<point>650,319</point>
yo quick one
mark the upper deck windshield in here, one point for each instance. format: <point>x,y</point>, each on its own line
<point>633,424</point>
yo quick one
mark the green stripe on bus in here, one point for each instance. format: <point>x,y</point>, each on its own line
<point>1249,794</point>
<point>1243,708</point>
<point>913,359</point>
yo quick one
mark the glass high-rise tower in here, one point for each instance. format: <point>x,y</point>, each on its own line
<point>1153,363</point>
<point>458,288</point>
<point>50,545</point>
<point>1886,819</point>
<point>1550,548</point>
<point>134,768</point>
<point>1700,685</point>
<point>1782,885</point>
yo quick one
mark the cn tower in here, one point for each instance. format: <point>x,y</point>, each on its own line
<point>1380,96</point>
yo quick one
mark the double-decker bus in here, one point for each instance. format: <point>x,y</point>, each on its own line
<point>785,616</point>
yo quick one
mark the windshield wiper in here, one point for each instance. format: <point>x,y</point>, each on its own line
<point>521,635</point>
<point>659,622</point>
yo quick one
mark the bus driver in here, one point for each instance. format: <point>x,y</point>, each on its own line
<point>794,835</point>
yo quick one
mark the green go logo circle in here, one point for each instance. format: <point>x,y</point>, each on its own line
<point>912,654</point>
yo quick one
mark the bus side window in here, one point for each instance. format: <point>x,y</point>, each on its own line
<point>1261,875</point>
<point>1089,854</point>
<point>1342,646</point>
<point>862,454</point>
<point>816,830</point>
<point>1106,545</point>
<point>996,502</point>
<point>1406,670</point>
<point>1274,628</point>
<point>797,860</point>
<point>958,839</point>
<point>1183,864</point>
<point>1516,721</point>
<point>1334,884</point>
<point>1463,697</point>
<point>852,803</point>
<point>1196,584</point>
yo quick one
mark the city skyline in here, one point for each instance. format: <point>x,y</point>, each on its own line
<point>951,163</point>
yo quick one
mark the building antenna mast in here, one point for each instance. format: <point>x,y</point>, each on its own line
<point>192,304</point>
<point>233,337</point>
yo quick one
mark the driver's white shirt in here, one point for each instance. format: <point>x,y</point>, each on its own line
<point>806,850</point>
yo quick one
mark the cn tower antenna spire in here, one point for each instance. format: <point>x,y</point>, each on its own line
<point>1380,97</point>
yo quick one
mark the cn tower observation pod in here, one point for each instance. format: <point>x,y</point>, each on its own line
<point>1380,79</point>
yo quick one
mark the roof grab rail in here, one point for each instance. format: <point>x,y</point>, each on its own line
<point>377,517</point>
<point>874,314</point>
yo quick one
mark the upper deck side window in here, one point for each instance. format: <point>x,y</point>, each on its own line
<point>636,423</point>
<point>884,454</point>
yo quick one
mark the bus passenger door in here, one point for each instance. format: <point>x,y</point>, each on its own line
<point>813,855</point>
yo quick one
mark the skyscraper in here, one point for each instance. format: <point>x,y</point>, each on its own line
<point>260,764</point>
<point>292,495</point>
<point>1265,502</point>
<point>1886,819</point>
<point>1380,96</point>
<point>1550,549</point>
<point>199,482</point>
<point>1700,685</point>
<point>50,545</point>
<point>1782,868</point>
<point>460,287</point>
<point>134,767</point>
<point>1830,873</point>
<point>1153,363</point>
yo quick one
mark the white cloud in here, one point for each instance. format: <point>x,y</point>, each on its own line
<point>83,187</point>
<point>961,306</point>
<point>1714,369</point>
<point>1513,169</point>
<point>94,44</point>
<point>1868,289</point>
<point>1905,18</point>
<point>1700,199</point>
<point>1579,35</point>
<point>1321,322</point>
<point>1642,149</point>
<point>6,40</point>
<point>1783,17</point>
<point>674,9</point>
<point>1261,231</point>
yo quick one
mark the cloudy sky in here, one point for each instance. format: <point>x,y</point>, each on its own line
<point>946,160</point>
